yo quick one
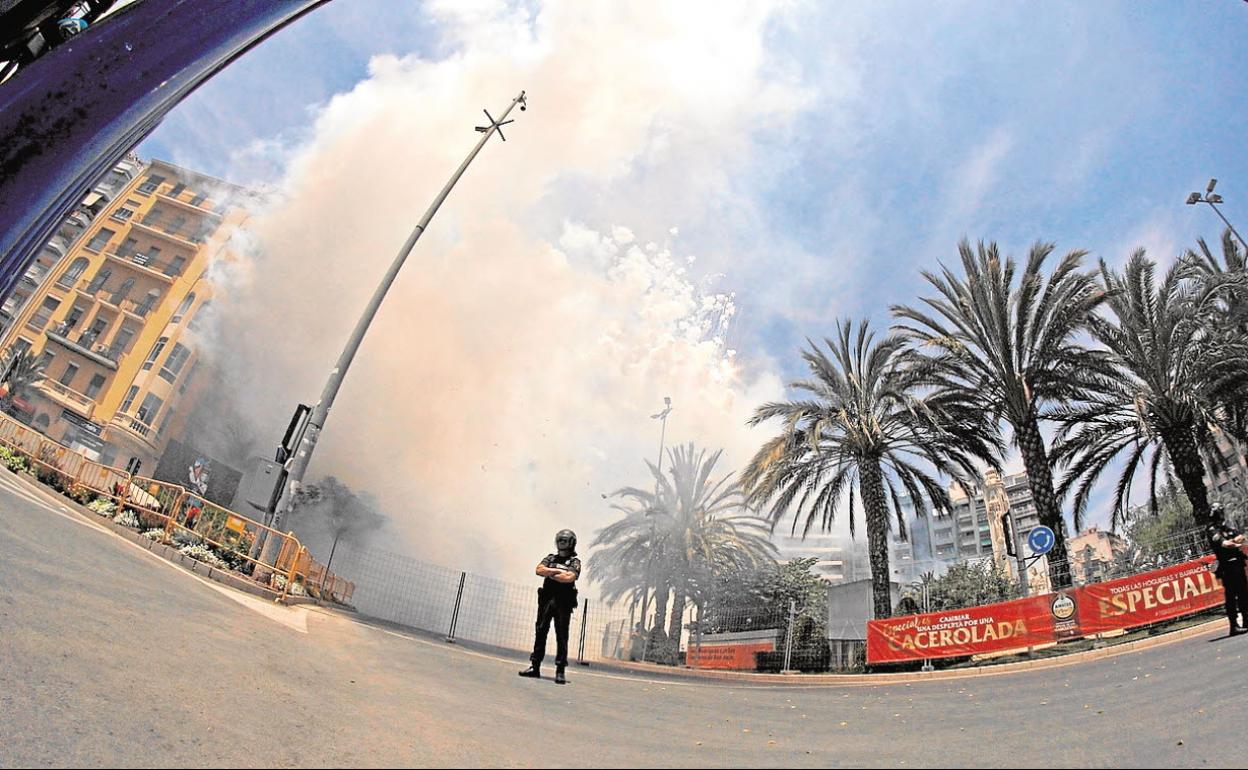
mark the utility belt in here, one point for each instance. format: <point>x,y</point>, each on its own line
<point>564,600</point>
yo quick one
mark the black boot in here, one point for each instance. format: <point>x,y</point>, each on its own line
<point>559,677</point>
<point>532,672</point>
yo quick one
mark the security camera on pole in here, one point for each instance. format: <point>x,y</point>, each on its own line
<point>297,465</point>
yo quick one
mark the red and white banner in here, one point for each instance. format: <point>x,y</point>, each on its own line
<point>1152,597</point>
<point>990,628</point>
<point>1139,600</point>
<point>732,651</point>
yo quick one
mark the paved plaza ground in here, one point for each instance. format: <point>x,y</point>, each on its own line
<point>110,656</point>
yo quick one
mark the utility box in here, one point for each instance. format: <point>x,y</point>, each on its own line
<point>263,484</point>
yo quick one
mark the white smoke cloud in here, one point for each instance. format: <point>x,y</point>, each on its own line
<point>508,379</point>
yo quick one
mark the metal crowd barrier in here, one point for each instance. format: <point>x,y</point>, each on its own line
<point>185,518</point>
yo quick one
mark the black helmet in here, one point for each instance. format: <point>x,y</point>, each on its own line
<point>566,534</point>
<point>1216,513</point>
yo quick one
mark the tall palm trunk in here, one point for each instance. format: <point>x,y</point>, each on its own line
<point>1181,444</point>
<point>871,487</point>
<point>1040,478</point>
<point>677,617</point>
<point>660,605</point>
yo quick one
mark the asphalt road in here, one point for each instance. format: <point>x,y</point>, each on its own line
<point>111,657</point>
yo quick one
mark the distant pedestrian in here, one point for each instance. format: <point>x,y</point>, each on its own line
<point>1228,546</point>
<point>556,600</point>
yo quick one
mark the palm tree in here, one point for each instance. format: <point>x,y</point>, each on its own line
<point>677,538</point>
<point>1013,347</point>
<point>871,414</point>
<point>1159,396</point>
<point>1223,290</point>
<point>22,371</point>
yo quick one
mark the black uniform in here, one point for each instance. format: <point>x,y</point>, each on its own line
<point>1231,572</point>
<point>555,601</point>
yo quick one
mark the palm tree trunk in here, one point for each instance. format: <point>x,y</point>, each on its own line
<point>1181,445</point>
<point>676,619</point>
<point>660,605</point>
<point>1040,479</point>
<point>871,487</point>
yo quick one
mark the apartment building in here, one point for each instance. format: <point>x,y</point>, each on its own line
<point>66,237</point>
<point>117,320</point>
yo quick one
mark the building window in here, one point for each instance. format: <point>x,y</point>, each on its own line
<point>150,408</point>
<point>164,423</point>
<point>123,214</point>
<point>175,362</point>
<point>99,240</point>
<point>177,190</point>
<point>130,396</point>
<point>97,283</point>
<point>75,271</point>
<point>156,351</point>
<point>174,268</point>
<point>97,384</point>
<point>183,307</point>
<point>71,371</point>
<point>123,292</point>
<point>202,313</point>
<point>149,186</point>
<point>44,314</point>
<point>190,375</point>
<point>121,343</point>
<point>149,301</point>
<point>198,199</point>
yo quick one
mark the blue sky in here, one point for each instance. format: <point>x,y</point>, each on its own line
<point>817,155</point>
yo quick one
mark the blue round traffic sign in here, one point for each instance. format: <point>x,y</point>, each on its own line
<point>1041,540</point>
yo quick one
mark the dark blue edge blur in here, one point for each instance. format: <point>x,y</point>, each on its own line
<point>71,114</point>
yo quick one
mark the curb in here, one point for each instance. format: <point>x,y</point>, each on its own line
<point>804,680</point>
<point>798,680</point>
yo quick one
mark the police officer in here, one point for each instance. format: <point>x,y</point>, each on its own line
<point>1228,545</point>
<point>556,600</point>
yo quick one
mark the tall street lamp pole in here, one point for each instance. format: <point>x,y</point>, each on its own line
<point>1212,199</point>
<point>316,421</point>
<point>645,599</point>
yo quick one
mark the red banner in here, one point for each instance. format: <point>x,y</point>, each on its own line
<point>732,656</point>
<point>1139,600</point>
<point>970,631</point>
<point>1152,597</point>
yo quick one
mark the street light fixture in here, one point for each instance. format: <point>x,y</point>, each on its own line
<point>306,444</point>
<point>1213,199</point>
<point>645,599</point>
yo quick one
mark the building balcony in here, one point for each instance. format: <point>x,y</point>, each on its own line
<point>57,245</point>
<point>85,346</point>
<point>134,309</point>
<point>136,428</point>
<point>35,274</point>
<point>165,271</point>
<point>39,320</point>
<point>198,208</point>
<point>183,236</point>
<point>68,397</point>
